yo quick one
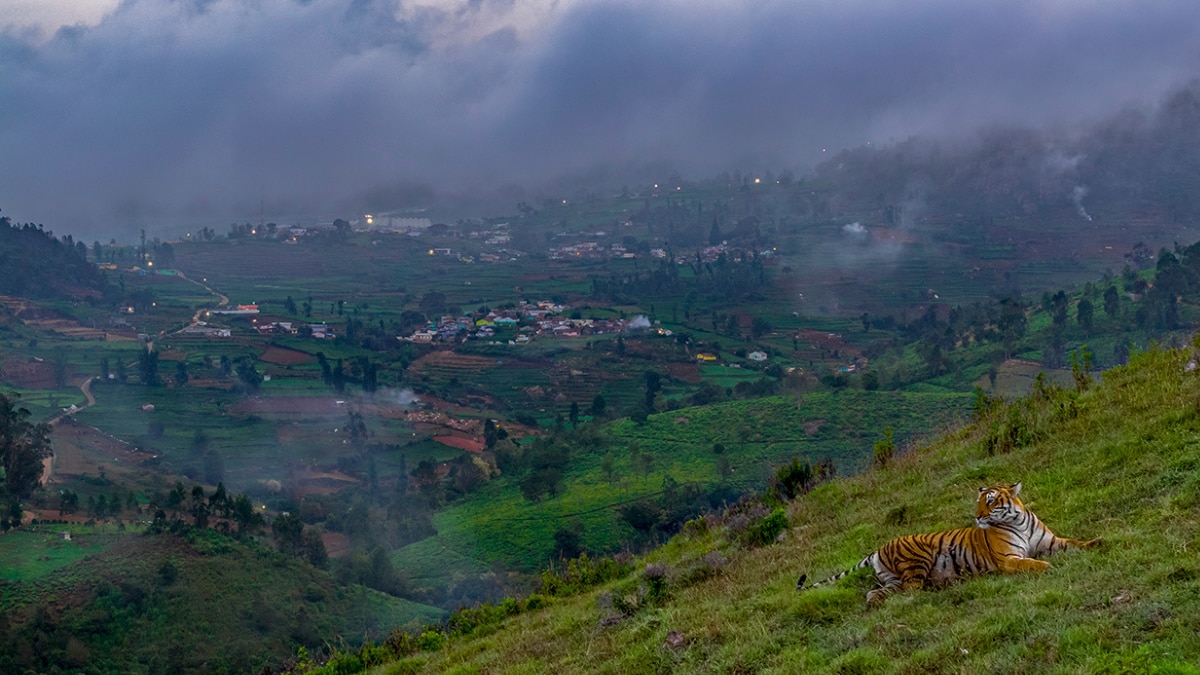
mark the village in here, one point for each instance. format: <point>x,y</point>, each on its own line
<point>530,320</point>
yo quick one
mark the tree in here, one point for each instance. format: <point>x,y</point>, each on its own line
<point>314,548</point>
<point>568,541</point>
<point>760,327</point>
<point>1112,302</point>
<point>1012,323</point>
<point>148,366</point>
<point>653,386</point>
<point>166,255</point>
<point>289,533</point>
<point>199,507</point>
<point>23,445</point>
<point>244,514</point>
<point>574,414</point>
<point>248,375</point>
<point>433,304</point>
<point>1085,313</point>
<point>598,406</point>
<point>181,373</point>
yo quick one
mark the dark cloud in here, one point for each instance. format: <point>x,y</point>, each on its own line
<point>170,111</point>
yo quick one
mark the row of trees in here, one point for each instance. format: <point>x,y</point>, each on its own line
<point>23,446</point>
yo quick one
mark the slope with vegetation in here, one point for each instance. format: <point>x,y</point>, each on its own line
<point>1117,460</point>
<point>191,602</point>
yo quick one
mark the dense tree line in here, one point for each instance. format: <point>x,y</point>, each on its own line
<point>33,263</point>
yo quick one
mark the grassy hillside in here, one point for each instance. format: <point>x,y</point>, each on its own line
<point>203,602</point>
<point>1119,461</point>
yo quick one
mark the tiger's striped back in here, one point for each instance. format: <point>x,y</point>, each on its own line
<point>1006,537</point>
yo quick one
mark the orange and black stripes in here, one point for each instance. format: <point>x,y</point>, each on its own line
<point>1006,538</point>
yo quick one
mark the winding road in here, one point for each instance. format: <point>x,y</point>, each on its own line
<point>222,300</point>
<point>86,388</point>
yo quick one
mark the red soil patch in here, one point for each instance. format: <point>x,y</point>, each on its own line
<point>449,359</point>
<point>320,482</point>
<point>687,372</point>
<point>81,450</point>
<point>827,340</point>
<point>336,544</point>
<point>468,444</point>
<point>28,374</point>
<point>283,357</point>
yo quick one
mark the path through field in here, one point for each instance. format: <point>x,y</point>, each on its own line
<point>86,388</point>
<point>221,302</point>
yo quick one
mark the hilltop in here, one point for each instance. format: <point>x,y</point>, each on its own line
<point>1117,459</point>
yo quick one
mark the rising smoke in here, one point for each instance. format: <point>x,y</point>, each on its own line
<point>1077,195</point>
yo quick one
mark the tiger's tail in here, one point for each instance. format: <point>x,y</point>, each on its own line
<point>868,561</point>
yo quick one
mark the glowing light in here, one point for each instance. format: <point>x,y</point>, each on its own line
<point>757,181</point>
<point>430,251</point>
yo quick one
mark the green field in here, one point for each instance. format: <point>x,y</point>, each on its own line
<point>498,525</point>
<point>30,555</point>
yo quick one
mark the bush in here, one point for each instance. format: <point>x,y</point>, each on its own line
<point>766,530</point>
<point>793,479</point>
<point>885,449</point>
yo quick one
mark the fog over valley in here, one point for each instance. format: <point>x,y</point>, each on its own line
<point>158,113</point>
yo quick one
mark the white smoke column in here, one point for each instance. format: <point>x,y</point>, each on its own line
<point>638,322</point>
<point>405,398</point>
<point>1077,196</point>
<point>855,229</point>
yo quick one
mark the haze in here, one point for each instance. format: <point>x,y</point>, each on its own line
<point>158,113</point>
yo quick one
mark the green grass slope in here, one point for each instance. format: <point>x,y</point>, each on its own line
<point>196,603</point>
<point>1119,461</point>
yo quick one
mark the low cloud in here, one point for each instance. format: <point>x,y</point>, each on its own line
<point>205,111</point>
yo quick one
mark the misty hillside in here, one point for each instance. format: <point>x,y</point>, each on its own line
<point>35,264</point>
<point>1117,460</point>
<point>1139,164</point>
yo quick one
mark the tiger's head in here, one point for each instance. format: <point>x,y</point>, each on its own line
<point>998,504</point>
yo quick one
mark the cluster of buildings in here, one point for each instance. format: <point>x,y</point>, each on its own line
<point>319,331</point>
<point>529,319</point>
<point>588,250</point>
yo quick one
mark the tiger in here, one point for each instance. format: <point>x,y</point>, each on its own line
<point>1006,538</point>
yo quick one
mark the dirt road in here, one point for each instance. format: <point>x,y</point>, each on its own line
<point>86,388</point>
<point>222,300</point>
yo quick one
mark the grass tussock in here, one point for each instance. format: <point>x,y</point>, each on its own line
<point>1118,460</point>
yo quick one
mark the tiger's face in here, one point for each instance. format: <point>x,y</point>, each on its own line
<point>998,504</point>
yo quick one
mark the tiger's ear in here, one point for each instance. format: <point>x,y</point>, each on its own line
<point>1015,488</point>
<point>983,489</point>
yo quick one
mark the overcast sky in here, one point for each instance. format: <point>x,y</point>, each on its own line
<point>116,115</point>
